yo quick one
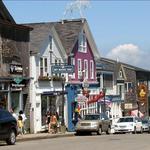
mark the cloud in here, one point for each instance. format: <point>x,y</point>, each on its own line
<point>127,53</point>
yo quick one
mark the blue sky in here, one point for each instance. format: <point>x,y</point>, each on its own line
<point>121,29</point>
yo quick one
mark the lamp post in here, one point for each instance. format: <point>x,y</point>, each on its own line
<point>104,91</point>
<point>63,101</point>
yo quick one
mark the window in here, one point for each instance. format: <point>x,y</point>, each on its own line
<point>108,80</point>
<point>91,69</point>
<point>85,69</point>
<point>79,68</point>
<point>128,87</point>
<point>50,42</point>
<point>43,66</point>
<point>82,43</point>
<point>73,63</point>
<point>120,74</point>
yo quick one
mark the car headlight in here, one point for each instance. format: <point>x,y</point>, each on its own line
<point>131,124</point>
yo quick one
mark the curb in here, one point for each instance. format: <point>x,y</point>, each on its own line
<point>46,136</point>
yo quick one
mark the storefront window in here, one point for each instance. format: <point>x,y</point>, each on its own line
<point>3,100</point>
<point>48,104</point>
<point>15,101</point>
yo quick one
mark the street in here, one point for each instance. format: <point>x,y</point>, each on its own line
<point>94,142</point>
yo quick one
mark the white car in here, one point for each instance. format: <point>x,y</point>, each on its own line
<point>128,124</point>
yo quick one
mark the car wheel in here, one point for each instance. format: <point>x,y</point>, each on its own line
<point>108,130</point>
<point>99,132</point>
<point>134,132</point>
<point>12,138</point>
<point>149,130</point>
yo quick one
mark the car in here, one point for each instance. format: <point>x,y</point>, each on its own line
<point>8,127</point>
<point>94,123</point>
<point>130,124</point>
<point>146,125</point>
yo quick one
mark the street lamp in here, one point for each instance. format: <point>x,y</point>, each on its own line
<point>104,92</point>
<point>63,101</point>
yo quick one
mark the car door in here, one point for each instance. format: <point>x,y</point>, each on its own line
<point>2,124</point>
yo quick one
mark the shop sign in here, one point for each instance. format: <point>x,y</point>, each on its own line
<point>128,106</point>
<point>142,92</point>
<point>16,69</point>
<point>17,80</point>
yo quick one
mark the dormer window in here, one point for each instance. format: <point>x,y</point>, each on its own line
<point>82,42</point>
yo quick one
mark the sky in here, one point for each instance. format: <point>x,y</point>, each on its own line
<point>121,28</point>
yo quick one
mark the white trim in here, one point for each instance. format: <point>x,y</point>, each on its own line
<point>85,69</point>
<point>91,69</point>
<point>82,42</point>
<point>79,64</point>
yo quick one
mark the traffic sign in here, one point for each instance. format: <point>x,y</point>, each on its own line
<point>62,69</point>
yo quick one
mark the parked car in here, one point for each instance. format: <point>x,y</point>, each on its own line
<point>146,125</point>
<point>128,124</point>
<point>94,123</point>
<point>8,127</point>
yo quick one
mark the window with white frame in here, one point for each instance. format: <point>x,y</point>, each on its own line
<point>73,63</point>
<point>79,69</point>
<point>82,42</point>
<point>128,86</point>
<point>43,66</point>
<point>85,69</point>
<point>91,69</point>
<point>120,74</point>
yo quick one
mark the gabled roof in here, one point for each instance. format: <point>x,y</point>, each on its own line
<point>68,32</point>
<point>65,32</point>
<point>4,14</point>
<point>38,35</point>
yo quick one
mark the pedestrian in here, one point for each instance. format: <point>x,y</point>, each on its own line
<point>13,113</point>
<point>23,120</point>
<point>48,118</point>
<point>53,123</point>
<point>20,125</point>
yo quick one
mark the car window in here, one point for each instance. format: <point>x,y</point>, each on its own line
<point>91,117</point>
<point>125,120</point>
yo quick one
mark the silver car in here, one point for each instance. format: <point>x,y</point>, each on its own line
<point>94,123</point>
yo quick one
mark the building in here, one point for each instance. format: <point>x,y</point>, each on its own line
<point>123,80</point>
<point>14,71</point>
<point>68,43</point>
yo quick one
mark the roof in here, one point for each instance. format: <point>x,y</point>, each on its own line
<point>38,35</point>
<point>4,14</point>
<point>68,31</point>
<point>124,64</point>
<point>65,32</point>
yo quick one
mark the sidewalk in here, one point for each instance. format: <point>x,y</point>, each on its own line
<point>36,136</point>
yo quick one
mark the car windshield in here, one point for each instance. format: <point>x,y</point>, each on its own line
<point>144,121</point>
<point>91,117</point>
<point>125,120</point>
